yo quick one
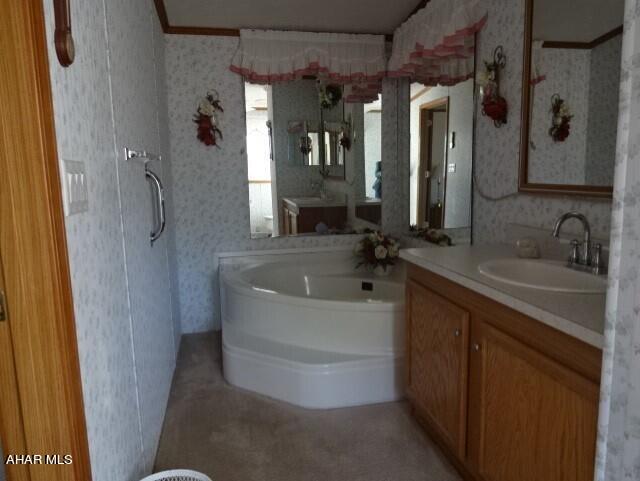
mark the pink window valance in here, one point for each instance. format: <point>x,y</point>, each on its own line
<point>269,56</point>
<point>436,45</point>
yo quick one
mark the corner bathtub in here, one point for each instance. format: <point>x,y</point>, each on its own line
<point>313,331</point>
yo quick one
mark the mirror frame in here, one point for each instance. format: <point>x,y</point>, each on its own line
<point>523,183</point>
<point>323,153</point>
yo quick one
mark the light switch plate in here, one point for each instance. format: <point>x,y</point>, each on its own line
<point>74,186</point>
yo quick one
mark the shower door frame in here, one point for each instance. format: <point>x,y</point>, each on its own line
<point>41,404</point>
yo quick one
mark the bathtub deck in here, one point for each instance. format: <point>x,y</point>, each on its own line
<point>235,435</point>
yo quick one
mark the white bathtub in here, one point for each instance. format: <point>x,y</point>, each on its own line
<point>313,331</point>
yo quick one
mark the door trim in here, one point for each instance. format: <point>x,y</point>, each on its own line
<point>40,331</point>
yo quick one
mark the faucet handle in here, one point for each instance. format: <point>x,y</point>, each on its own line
<point>574,257</point>
<point>597,263</point>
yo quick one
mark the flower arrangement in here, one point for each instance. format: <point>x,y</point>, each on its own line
<point>431,235</point>
<point>329,95</point>
<point>494,106</point>
<point>560,120</point>
<point>378,252</point>
<point>206,120</point>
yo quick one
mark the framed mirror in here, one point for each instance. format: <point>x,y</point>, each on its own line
<point>570,90</point>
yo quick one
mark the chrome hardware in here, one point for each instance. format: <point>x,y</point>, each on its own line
<point>574,257</point>
<point>457,333</point>
<point>597,263</point>
<point>142,155</point>
<point>587,259</point>
<point>3,309</point>
<point>476,347</point>
<point>159,209</point>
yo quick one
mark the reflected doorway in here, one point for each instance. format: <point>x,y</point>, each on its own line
<point>432,171</point>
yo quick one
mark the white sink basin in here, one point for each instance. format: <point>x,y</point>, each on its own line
<point>544,275</point>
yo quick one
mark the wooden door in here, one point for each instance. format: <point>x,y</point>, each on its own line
<point>531,418</point>
<point>41,404</point>
<point>437,354</point>
<point>11,422</point>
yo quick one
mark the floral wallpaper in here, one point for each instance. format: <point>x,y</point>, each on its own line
<point>588,81</point>
<point>619,425</point>
<point>132,64</point>
<point>395,155</point>
<point>603,103</point>
<point>496,155</point>
<point>110,97</point>
<point>567,74</point>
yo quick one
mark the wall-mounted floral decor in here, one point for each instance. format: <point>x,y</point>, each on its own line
<point>206,118</point>
<point>560,119</point>
<point>329,95</point>
<point>494,105</point>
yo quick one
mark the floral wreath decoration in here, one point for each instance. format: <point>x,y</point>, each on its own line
<point>560,119</point>
<point>494,105</point>
<point>206,119</point>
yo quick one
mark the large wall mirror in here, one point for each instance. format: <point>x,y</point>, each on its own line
<point>313,160</point>
<point>441,156</point>
<point>570,96</point>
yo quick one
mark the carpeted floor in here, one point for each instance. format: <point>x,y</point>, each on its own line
<point>235,435</point>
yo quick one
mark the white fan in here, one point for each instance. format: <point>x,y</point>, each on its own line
<point>177,475</point>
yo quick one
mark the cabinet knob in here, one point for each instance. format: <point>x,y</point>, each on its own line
<point>457,333</point>
<point>476,347</point>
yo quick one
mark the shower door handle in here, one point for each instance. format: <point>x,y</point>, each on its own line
<point>159,191</point>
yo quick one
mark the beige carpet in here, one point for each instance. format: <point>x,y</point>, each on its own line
<point>235,435</point>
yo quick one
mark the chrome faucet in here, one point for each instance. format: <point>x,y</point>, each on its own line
<point>320,187</point>
<point>585,258</point>
<point>582,260</point>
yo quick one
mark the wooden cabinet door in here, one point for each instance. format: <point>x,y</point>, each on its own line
<point>531,419</point>
<point>437,354</point>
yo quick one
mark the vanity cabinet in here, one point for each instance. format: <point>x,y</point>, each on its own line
<point>304,219</point>
<point>530,418</point>
<point>507,397</point>
<point>437,335</point>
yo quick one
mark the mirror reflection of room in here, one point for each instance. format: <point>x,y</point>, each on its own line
<point>299,185</point>
<point>441,126</point>
<point>574,87</point>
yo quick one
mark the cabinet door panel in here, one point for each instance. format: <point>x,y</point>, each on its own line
<point>531,419</point>
<point>437,353</point>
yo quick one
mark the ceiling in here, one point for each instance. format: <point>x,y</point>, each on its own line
<point>354,16</point>
<point>575,20</point>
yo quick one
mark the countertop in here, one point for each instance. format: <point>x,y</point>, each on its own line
<point>369,201</point>
<point>578,315</point>
<point>301,202</point>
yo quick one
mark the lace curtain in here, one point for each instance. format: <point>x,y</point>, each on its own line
<point>356,61</point>
<point>437,44</point>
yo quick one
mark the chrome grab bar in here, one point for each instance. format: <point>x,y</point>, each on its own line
<point>143,155</point>
<point>155,181</point>
<point>159,212</point>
